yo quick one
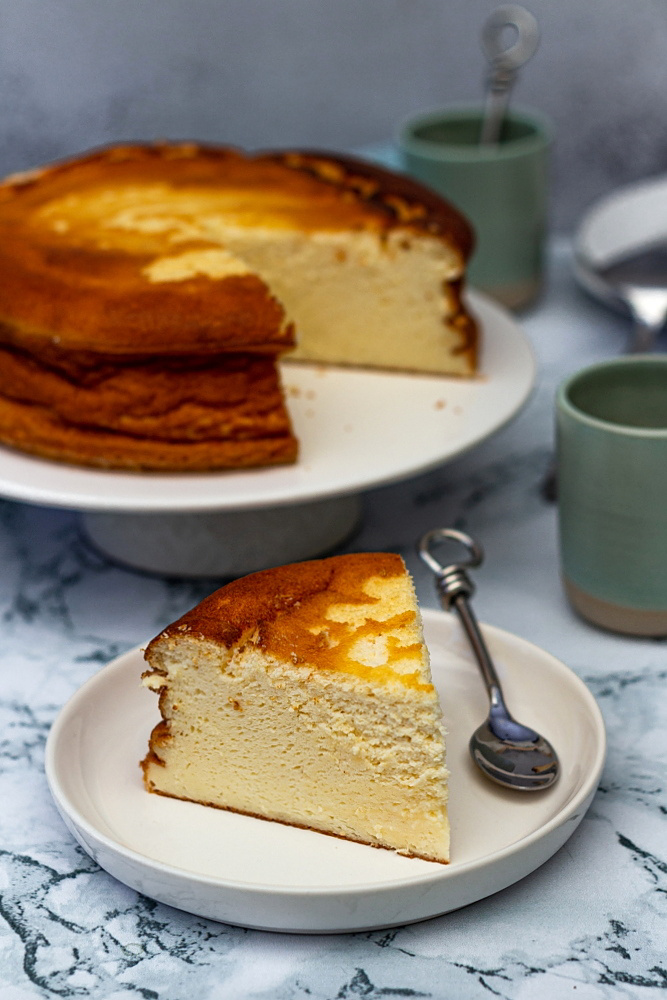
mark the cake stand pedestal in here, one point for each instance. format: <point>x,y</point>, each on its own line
<point>223,543</point>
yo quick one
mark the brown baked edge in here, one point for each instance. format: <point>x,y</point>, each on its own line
<point>300,826</point>
<point>31,429</point>
<point>395,193</point>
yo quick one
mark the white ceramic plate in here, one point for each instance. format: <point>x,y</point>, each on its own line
<point>630,217</point>
<point>260,874</point>
<point>357,429</point>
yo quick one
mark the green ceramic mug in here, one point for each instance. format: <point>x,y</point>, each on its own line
<point>502,189</point>
<point>612,493</point>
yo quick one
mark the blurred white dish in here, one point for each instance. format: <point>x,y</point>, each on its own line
<point>357,429</point>
<point>617,224</point>
<point>265,875</point>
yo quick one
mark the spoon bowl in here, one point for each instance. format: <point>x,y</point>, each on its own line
<point>527,764</point>
<point>620,255</point>
<point>637,281</point>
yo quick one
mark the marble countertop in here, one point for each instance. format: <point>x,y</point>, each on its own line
<point>590,923</point>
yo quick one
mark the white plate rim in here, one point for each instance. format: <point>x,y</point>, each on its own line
<point>72,487</point>
<point>568,812</point>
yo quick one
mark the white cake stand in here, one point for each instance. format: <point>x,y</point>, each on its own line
<point>357,430</point>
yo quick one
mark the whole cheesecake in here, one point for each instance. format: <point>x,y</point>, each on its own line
<point>139,259</point>
<point>303,695</point>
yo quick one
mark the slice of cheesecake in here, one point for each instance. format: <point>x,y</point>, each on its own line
<point>303,694</point>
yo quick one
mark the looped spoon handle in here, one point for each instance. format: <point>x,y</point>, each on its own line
<point>508,752</point>
<point>504,62</point>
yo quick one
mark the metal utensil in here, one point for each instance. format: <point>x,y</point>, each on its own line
<point>509,753</point>
<point>638,281</point>
<point>505,61</point>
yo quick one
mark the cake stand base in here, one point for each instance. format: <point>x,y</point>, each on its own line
<point>223,543</point>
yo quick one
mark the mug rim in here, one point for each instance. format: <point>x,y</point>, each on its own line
<point>540,139</point>
<point>565,404</point>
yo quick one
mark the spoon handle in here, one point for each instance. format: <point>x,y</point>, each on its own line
<point>454,587</point>
<point>495,109</point>
<point>505,60</point>
<point>500,720</point>
<point>643,336</point>
<point>479,648</point>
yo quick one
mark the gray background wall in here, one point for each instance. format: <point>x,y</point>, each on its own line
<point>327,73</point>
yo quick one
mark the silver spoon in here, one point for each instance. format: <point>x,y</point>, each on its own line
<point>505,61</point>
<point>636,280</point>
<point>509,753</point>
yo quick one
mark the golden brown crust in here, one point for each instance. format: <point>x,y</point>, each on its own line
<point>161,414</point>
<point>32,430</point>
<point>264,603</point>
<point>233,397</point>
<point>50,301</point>
<point>67,279</point>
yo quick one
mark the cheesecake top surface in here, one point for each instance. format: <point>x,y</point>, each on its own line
<point>139,197</point>
<point>354,613</point>
<point>92,247</point>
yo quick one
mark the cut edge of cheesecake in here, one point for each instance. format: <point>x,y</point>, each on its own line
<point>303,695</point>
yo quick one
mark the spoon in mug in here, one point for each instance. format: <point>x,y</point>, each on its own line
<point>505,61</point>
<point>507,752</point>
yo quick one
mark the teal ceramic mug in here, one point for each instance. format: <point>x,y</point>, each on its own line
<point>502,189</point>
<point>612,493</point>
